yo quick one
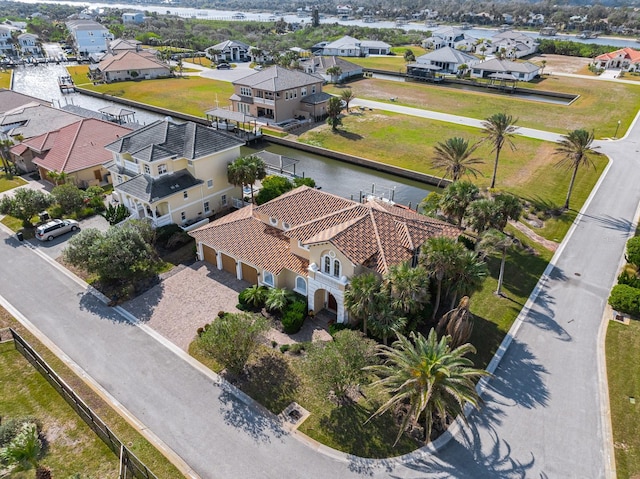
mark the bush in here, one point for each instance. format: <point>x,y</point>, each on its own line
<point>297,348</point>
<point>69,197</point>
<point>253,297</point>
<point>336,327</point>
<point>55,211</point>
<point>284,348</point>
<point>293,317</point>
<point>164,234</point>
<point>10,428</point>
<point>625,299</point>
<point>629,279</point>
<point>633,251</point>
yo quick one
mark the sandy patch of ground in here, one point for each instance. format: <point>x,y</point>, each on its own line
<point>561,63</point>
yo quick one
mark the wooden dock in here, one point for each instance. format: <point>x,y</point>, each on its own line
<point>66,85</point>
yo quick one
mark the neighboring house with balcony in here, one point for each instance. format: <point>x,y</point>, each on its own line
<point>133,17</point>
<point>7,45</point>
<point>444,60</point>
<point>129,65</point>
<point>313,242</point>
<point>626,59</point>
<point>320,64</point>
<point>513,44</point>
<point>89,36</point>
<point>229,51</point>
<point>173,172</point>
<point>449,37</point>
<point>76,149</point>
<point>506,70</point>
<point>352,47</point>
<point>278,94</point>
<point>29,44</point>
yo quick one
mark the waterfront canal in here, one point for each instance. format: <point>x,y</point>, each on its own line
<point>333,176</point>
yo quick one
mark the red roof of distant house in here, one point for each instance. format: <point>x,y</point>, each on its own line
<point>77,146</point>
<point>18,149</point>
<point>629,53</point>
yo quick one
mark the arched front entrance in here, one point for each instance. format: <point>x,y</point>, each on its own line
<point>324,300</point>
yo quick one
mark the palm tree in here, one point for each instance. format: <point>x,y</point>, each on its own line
<point>434,380</point>
<point>468,272</point>
<point>576,151</point>
<point>334,109</point>
<point>454,156</point>
<point>438,256</point>
<point>385,320</point>
<point>543,64</point>
<point>407,287</point>
<point>246,170</point>
<point>24,449</point>
<point>507,207</point>
<point>456,199</point>
<point>278,298</point>
<point>346,96</point>
<point>481,214</point>
<point>5,145</point>
<point>360,295</point>
<point>335,73</point>
<point>494,241</point>
<point>457,323</point>
<point>498,129</point>
<point>58,177</point>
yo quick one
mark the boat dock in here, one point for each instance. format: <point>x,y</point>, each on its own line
<point>66,85</point>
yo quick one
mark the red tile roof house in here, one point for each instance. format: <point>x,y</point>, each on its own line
<point>76,149</point>
<point>312,242</point>
<point>626,59</point>
<point>129,65</point>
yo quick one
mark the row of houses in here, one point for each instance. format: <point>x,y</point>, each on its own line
<point>14,42</point>
<point>511,43</point>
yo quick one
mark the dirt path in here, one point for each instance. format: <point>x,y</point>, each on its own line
<point>532,235</point>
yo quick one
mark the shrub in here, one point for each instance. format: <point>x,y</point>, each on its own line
<point>164,234</point>
<point>629,279</point>
<point>625,299</point>
<point>177,240</point>
<point>253,297</point>
<point>633,251</point>
<point>297,348</point>
<point>221,314</point>
<point>293,317</point>
<point>55,211</point>
<point>69,197</point>
<point>284,348</point>
<point>336,327</point>
<point>278,299</point>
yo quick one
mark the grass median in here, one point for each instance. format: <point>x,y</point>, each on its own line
<point>5,79</point>
<point>81,450</point>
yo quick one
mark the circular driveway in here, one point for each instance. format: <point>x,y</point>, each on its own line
<point>240,71</point>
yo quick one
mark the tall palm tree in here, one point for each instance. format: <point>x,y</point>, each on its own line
<point>494,241</point>
<point>347,96</point>
<point>454,156</point>
<point>5,145</point>
<point>360,297</point>
<point>480,214</point>
<point>456,199</point>
<point>385,320</point>
<point>498,129</point>
<point>576,151</point>
<point>246,170</point>
<point>468,272</point>
<point>438,257</point>
<point>407,287</point>
<point>434,380</point>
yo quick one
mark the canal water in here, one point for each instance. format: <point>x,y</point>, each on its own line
<point>331,175</point>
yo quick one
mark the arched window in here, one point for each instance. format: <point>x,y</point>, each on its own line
<point>336,268</point>
<point>267,278</point>
<point>331,266</point>
<point>301,285</point>
<point>327,265</point>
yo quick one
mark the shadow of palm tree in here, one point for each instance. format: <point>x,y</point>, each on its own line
<point>256,423</point>
<point>624,225</point>
<point>349,135</point>
<point>542,315</point>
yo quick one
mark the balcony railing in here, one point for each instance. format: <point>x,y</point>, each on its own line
<point>329,280</point>
<point>162,221</point>
<point>131,166</point>
<point>263,101</point>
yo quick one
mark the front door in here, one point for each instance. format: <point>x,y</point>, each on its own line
<point>332,304</point>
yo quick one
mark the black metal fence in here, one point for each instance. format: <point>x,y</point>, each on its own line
<point>130,466</point>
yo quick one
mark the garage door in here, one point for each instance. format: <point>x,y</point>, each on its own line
<point>249,274</point>
<point>209,255</point>
<point>229,264</point>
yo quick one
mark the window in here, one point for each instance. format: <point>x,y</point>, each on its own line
<point>327,265</point>
<point>245,91</point>
<point>162,169</point>
<point>119,179</point>
<point>185,194</point>
<point>190,162</point>
<point>301,285</point>
<point>209,183</point>
<point>336,268</point>
<point>267,278</point>
<point>183,216</point>
<point>303,91</point>
<point>313,89</point>
<point>223,200</point>
<point>286,226</point>
<point>147,170</point>
<point>331,266</point>
<point>206,207</point>
<point>244,108</point>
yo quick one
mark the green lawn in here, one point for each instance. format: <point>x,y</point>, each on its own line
<point>72,447</point>
<point>5,79</point>
<point>623,351</point>
<point>71,442</point>
<point>191,95</point>
<point>204,61</point>
<point>592,110</point>
<point>407,142</point>
<point>10,183</point>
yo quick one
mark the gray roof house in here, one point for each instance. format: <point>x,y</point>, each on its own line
<point>449,37</point>
<point>506,70</point>
<point>514,44</point>
<point>173,172</point>
<point>319,65</point>
<point>277,94</point>
<point>447,59</point>
<point>352,47</point>
<point>228,51</point>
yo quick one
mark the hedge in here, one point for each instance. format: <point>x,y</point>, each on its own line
<point>293,316</point>
<point>625,299</point>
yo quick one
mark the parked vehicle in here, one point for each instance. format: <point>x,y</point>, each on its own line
<point>53,228</point>
<point>223,66</point>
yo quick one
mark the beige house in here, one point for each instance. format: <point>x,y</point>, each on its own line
<point>312,242</point>
<point>277,94</point>
<point>173,172</point>
<point>76,149</point>
<point>129,65</point>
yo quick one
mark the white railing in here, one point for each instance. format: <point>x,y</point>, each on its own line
<point>162,221</point>
<point>239,203</point>
<point>131,166</point>
<point>264,101</point>
<point>329,280</point>
<point>195,225</point>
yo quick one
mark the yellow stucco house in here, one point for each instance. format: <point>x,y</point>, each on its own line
<point>173,172</point>
<point>312,242</point>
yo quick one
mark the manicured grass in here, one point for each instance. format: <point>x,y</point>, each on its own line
<point>154,460</point>
<point>592,110</point>
<point>407,142</point>
<point>391,63</point>
<point>622,352</point>
<point>72,447</point>
<point>79,75</point>
<point>10,183</point>
<point>5,79</point>
<point>191,95</point>
<point>416,49</point>
<point>204,61</point>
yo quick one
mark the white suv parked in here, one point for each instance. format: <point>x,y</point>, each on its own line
<point>53,228</point>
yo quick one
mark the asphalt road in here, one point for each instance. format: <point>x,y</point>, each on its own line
<point>542,416</point>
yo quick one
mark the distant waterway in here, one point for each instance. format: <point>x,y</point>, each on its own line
<point>333,176</point>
